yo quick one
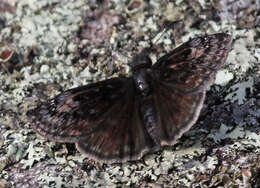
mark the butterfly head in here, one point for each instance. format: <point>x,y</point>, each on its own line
<point>141,61</point>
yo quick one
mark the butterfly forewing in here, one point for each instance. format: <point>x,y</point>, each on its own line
<point>65,116</point>
<point>193,64</point>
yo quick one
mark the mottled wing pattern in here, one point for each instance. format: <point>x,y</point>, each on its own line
<point>179,82</point>
<point>192,65</point>
<point>101,118</point>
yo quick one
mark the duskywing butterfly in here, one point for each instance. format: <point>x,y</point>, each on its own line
<point>121,119</point>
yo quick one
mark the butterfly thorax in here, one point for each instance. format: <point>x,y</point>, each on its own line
<point>141,82</point>
<point>141,66</point>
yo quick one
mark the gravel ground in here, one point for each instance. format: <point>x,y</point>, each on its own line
<point>47,47</point>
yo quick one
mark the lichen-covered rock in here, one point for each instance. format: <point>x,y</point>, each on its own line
<point>55,48</point>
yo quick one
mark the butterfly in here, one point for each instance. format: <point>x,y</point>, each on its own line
<point>121,119</point>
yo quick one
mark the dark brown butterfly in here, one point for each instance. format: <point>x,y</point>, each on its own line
<point>121,119</point>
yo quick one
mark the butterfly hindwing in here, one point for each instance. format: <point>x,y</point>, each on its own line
<point>121,136</point>
<point>176,111</point>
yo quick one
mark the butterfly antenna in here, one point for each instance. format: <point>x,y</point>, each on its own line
<point>166,26</point>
